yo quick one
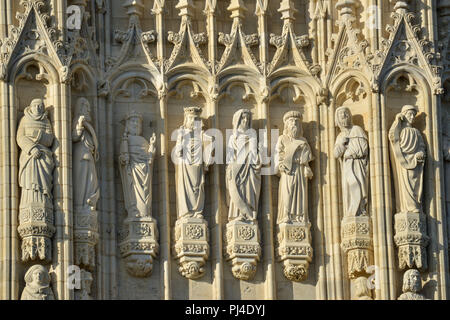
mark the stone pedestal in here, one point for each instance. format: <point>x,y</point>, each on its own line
<point>243,250</point>
<point>139,245</point>
<point>191,247</point>
<point>36,228</point>
<point>411,239</point>
<point>85,237</point>
<point>294,249</point>
<point>357,245</point>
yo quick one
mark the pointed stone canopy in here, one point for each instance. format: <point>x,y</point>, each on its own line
<point>401,6</point>
<point>186,8</point>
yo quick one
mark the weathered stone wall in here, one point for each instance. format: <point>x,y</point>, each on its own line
<point>157,57</point>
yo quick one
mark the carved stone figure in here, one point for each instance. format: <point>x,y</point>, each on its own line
<point>136,167</point>
<point>412,286</point>
<point>86,282</point>
<point>243,181</point>
<point>362,291</point>
<point>191,230</point>
<point>352,150</point>
<point>37,287</point>
<point>446,152</point>
<point>35,138</point>
<point>85,184</point>
<point>293,155</point>
<point>139,237</point>
<point>408,153</point>
<point>190,166</point>
<point>243,177</point>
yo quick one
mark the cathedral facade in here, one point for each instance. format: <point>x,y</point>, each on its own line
<point>224,149</point>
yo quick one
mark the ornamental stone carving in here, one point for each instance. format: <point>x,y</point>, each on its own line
<point>37,287</point>
<point>409,153</point>
<point>243,181</point>
<point>352,150</point>
<point>85,184</point>
<point>412,286</point>
<point>36,221</point>
<point>293,155</point>
<point>139,237</point>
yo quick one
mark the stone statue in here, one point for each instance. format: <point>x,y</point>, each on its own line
<point>293,157</point>
<point>37,287</point>
<point>409,153</point>
<point>85,154</point>
<point>86,282</point>
<point>352,149</point>
<point>85,184</point>
<point>412,285</point>
<point>35,138</point>
<point>362,291</point>
<point>190,166</point>
<point>243,178</point>
<point>138,239</point>
<point>136,167</point>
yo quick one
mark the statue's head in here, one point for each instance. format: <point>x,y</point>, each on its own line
<point>37,275</point>
<point>242,120</point>
<point>86,281</point>
<point>292,123</point>
<point>361,288</point>
<point>83,108</point>
<point>192,118</point>
<point>37,107</point>
<point>412,281</point>
<point>343,117</point>
<point>134,123</point>
<point>410,112</point>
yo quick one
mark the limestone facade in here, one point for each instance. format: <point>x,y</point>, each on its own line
<point>354,98</point>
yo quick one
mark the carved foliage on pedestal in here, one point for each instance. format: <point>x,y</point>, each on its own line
<point>357,245</point>
<point>242,248</point>
<point>191,247</point>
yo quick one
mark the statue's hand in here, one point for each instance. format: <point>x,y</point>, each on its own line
<point>35,153</point>
<point>420,156</point>
<point>400,117</point>
<point>283,169</point>
<point>124,159</point>
<point>308,173</point>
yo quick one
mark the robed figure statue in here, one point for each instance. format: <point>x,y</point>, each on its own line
<point>352,150</point>
<point>293,155</point>
<point>243,176</point>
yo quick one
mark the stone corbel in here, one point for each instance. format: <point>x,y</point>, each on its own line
<point>411,240</point>
<point>243,248</point>
<point>357,245</point>
<point>139,245</point>
<point>294,249</point>
<point>191,246</point>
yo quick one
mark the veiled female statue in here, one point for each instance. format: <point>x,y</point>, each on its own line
<point>85,154</point>
<point>190,167</point>
<point>243,177</point>
<point>352,150</point>
<point>409,152</point>
<point>35,137</point>
<point>136,167</point>
<point>293,155</point>
<point>37,286</point>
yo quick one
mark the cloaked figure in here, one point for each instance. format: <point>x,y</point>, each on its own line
<point>37,286</point>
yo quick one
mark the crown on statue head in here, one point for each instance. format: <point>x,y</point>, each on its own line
<point>134,114</point>
<point>196,111</point>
